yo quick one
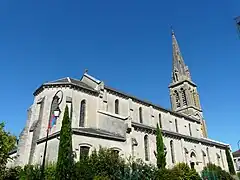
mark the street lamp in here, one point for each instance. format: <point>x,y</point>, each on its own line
<point>54,114</point>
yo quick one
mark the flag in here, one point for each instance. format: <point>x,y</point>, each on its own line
<point>52,121</point>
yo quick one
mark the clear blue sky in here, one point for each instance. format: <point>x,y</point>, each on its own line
<point>127,44</point>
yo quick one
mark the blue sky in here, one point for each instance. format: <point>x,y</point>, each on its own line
<point>127,44</point>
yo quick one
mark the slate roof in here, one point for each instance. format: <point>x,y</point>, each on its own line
<point>70,80</point>
<point>236,153</point>
<point>98,132</point>
<point>90,132</point>
<point>66,81</point>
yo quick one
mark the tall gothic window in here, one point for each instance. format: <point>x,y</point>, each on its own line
<point>204,158</point>
<point>160,120</point>
<point>82,113</point>
<point>176,125</point>
<point>172,151</point>
<point>146,148</point>
<point>190,130</point>
<point>208,155</point>
<point>184,97</point>
<point>177,98</point>
<point>84,151</point>
<point>194,98</point>
<point>116,106</point>
<point>218,159</point>
<point>140,115</point>
<point>175,76</point>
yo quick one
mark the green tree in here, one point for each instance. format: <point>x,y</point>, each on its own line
<point>230,162</point>
<point>160,154</point>
<point>65,162</point>
<point>7,143</point>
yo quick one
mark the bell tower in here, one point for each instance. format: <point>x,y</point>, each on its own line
<point>183,91</point>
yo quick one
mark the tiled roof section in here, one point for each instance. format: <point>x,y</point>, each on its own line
<point>79,83</point>
<point>99,132</point>
<point>151,104</point>
<point>66,81</point>
<point>69,80</point>
<point>62,80</point>
<point>236,153</point>
<point>90,132</point>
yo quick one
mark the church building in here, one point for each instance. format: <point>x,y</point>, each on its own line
<point>104,116</point>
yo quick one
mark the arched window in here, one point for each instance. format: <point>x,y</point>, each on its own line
<point>218,159</point>
<point>140,115</point>
<point>193,160</point>
<point>177,99</point>
<point>209,160</point>
<point>160,120</point>
<point>84,152</point>
<point>146,148</point>
<point>116,106</point>
<point>194,98</point>
<point>190,130</point>
<point>172,151</point>
<point>204,158</point>
<point>184,98</point>
<point>176,76</point>
<point>82,113</point>
<point>176,125</point>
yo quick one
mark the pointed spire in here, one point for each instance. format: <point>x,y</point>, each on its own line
<point>180,70</point>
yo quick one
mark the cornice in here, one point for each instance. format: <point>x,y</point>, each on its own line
<point>166,133</point>
<point>172,85</point>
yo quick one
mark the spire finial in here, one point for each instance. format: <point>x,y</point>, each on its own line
<point>86,71</point>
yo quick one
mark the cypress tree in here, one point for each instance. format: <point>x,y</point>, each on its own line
<point>230,162</point>
<point>160,155</point>
<point>65,163</point>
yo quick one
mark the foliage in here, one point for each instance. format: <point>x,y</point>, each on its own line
<point>30,172</point>
<point>141,170</point>
<point>183,171</point>
<point>100,178</point>
<point>12,173</point>
<point>160,155</point>
<point>230,162</point>
<point>212,172</point>
<point>65,162</point>
<point>103,163</point>
<point>238,174</point>
<point>7,143</point>
<point>50,172</point>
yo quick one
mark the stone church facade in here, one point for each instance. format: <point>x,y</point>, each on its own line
<point>104,116</point>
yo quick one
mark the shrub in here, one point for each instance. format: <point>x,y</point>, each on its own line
<point>238,174</point>
<point>12,173</point>
<point>183,171</point>
<point>211,171</point>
